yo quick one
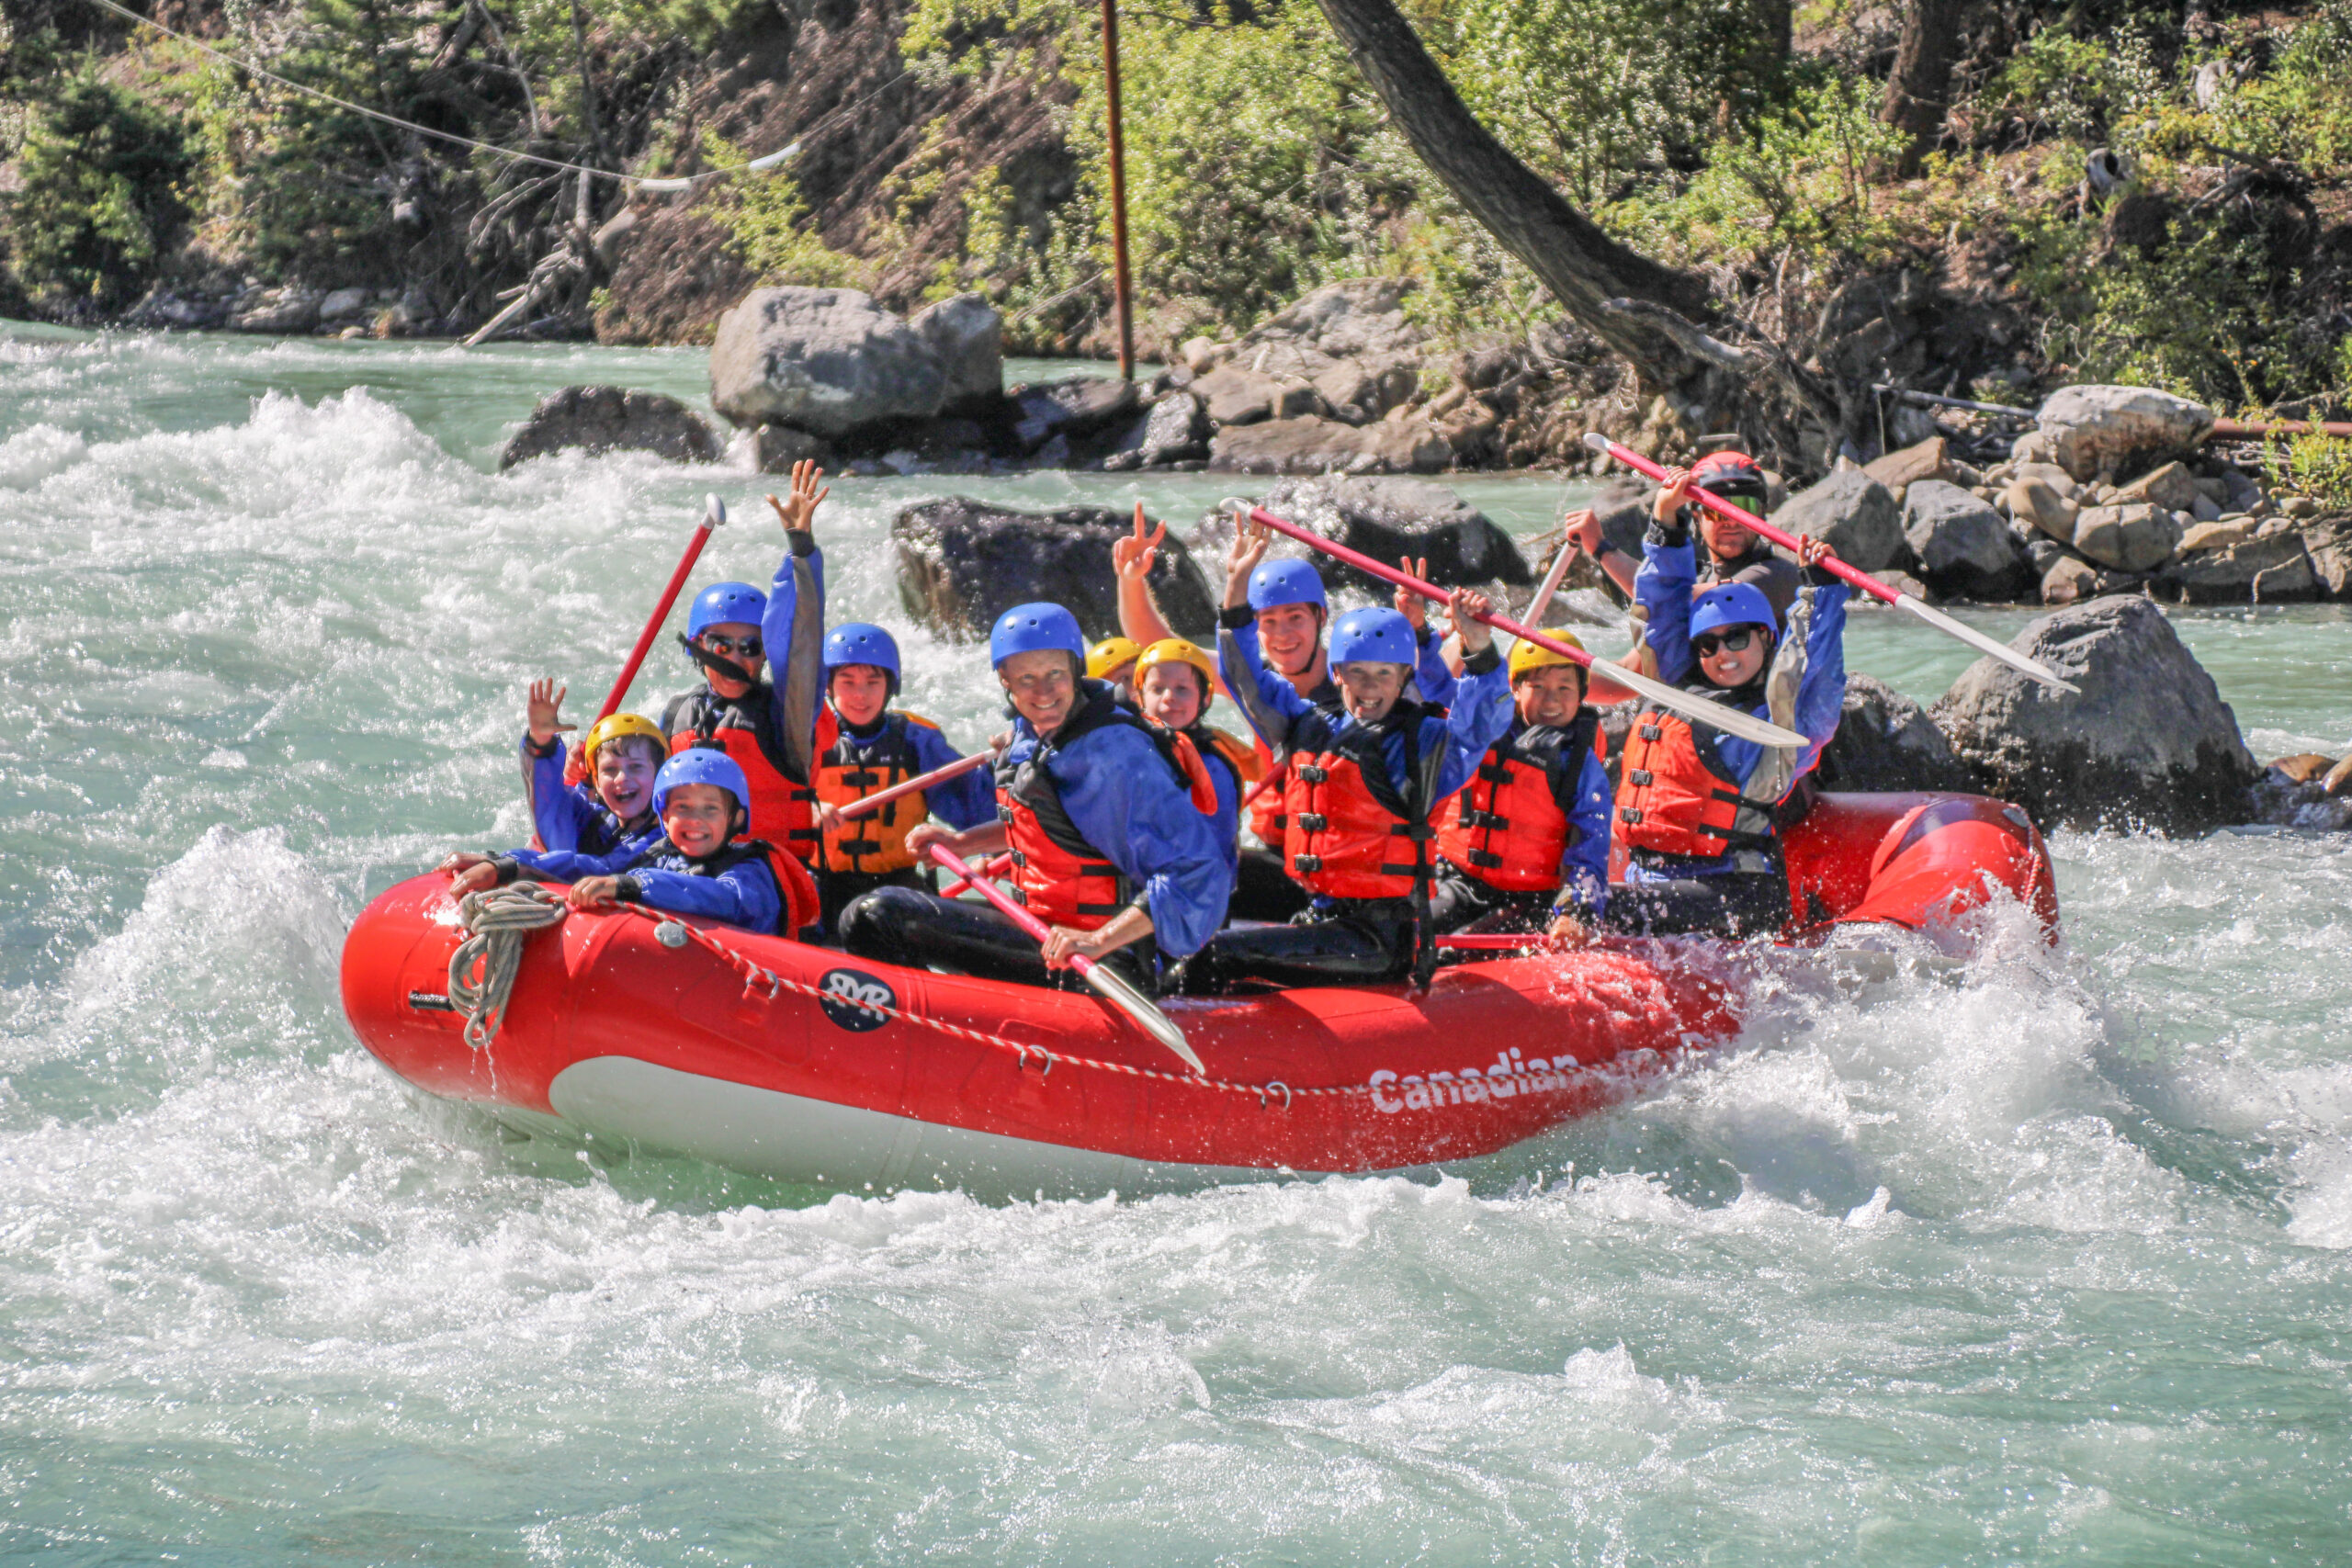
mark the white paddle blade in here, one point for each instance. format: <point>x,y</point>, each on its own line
<point>1596,442</point>
<point>714,511</point>
<point>1153,1021</point>
<point>1983,644</point>
<point>1697,710</point>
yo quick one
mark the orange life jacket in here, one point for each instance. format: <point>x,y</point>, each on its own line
<point>1506,828</point>
<point>848,769</point>
<point>784,808</point>
<point>1236,758</point>
<point>1675,796</point>
<point>1057,874</point>
<point>1350,833</point>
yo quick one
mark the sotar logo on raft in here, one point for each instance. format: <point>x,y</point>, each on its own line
<point>1508,1078</point>
<point>853,987</point>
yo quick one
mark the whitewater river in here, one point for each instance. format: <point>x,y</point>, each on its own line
<point>2042,1260</point>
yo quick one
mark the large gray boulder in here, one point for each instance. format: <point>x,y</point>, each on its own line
<point>1965,551</point>
<point>2146,743</point>
<point>1854,513</point>
<point>1173,430</point>
<point>966,336</point>
<point>1353,317</point>
<point>828,361</point>
<point>962,563</point>
<point>1887,742</point>
<point>1311,444</point>
<point>1385,519</point>
<point>2095,430</point>
<point>1076,407</point>
<point>612,419</point>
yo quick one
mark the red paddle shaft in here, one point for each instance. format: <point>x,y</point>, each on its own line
<point>956,769</point>
<point>995,867</point>
<point>1749,520</point>
<point>1406,580</point>
<point>714,513</point>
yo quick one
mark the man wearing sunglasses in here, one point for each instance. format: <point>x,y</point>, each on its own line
<point>1696,805</point>
<point>1733,552</point>
<point>732,631</point>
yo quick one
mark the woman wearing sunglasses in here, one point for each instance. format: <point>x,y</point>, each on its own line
<point>1695,806</point>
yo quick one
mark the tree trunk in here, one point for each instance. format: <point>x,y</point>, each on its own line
<point>1583,268</point>
<point>1918,90</point>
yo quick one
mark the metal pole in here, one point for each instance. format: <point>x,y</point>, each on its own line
<point>1123,293</point>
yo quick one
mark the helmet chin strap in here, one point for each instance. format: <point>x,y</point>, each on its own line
<point>724,668</point>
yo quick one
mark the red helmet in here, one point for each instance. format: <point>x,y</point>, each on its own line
<point>1729,474</point>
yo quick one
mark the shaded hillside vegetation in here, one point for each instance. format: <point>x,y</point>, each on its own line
<point>2116,192</point>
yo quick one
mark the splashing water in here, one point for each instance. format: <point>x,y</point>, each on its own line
<point>2033,1255</point>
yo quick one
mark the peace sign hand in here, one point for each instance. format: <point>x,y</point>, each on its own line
<point>1133,556</point>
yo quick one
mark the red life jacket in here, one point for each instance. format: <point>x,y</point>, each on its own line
<point>1506,828</point>
<point>1350,834</point>
<point>1057,874</point>
<point>1675,795</point>
<point>784,808</point>
<point>1269,818</point>
<point>848,769</point>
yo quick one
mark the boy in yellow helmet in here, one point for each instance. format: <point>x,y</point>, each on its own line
<point>613,805</point>
<point>1175,687</point>
<point>1525,846</point>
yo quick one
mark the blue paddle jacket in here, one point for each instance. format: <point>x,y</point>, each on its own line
<point>1125,799</point>
<point>734,887</point>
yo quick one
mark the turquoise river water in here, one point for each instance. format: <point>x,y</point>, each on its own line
<point>2041,1258</point>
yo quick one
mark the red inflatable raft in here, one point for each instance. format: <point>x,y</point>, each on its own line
<point>795,1062</point>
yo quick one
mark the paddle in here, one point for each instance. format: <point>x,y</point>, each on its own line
<point>1862,579</point>
<point>1115,991</point>
<point>956,769</point>
<point>995,867</point>
<point>1498,942</point>
<point>713,513</point>
<point>1699,710</point>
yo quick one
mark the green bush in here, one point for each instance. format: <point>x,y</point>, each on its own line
<point>766,221</point>
<point>2315,464</point>
<point>100,201</point>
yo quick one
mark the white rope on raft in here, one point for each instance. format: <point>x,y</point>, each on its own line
<point>760,164</point>
<point>481,971</point>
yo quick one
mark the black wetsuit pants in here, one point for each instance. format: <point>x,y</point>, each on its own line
<point>1350,941</point>
<point>1262,890</point>
<point>1737,904</point>
<point>1459,902</point>
<point>906,925</point>
<point>837,890</point>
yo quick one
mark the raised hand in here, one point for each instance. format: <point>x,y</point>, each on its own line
<point>1409,604</point>
<point>796,513</point>
<point>1463,605</point>
<point>1673,495</point>
<point>1583,529</point>
<point>1812,552</point>
<point>545,711</point>
<point>1248,547</point>
<point>1134,555</point>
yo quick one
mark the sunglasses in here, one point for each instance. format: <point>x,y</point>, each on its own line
<point>1706,645</point>
<point>729,647</point>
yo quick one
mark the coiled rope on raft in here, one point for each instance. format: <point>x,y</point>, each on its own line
<point>481,971</point>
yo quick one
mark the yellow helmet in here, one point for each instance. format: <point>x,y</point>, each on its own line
<point>1526,655</point>
<point>1109,654</point>
<point>1176,650</point>
<point>612,727</point>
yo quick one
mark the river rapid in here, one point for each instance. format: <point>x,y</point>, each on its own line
<point>2040,1258</point>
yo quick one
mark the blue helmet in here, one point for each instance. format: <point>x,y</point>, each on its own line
<point>702,765</point>
<point>726,602</point>
<point>1031,628</point>
<point>1279,582</point>
<point>1733,605</point>
<point>862,642</point>
<point>1373,634</point>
